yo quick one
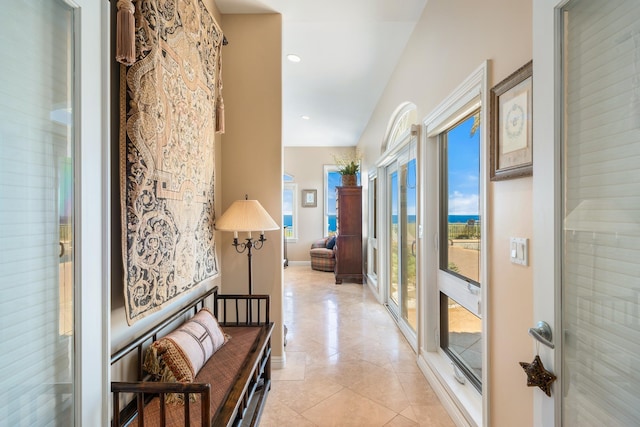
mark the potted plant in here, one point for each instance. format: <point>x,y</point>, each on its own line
<point>348,167</point>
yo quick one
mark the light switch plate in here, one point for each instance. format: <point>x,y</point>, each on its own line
<point>519,250</point>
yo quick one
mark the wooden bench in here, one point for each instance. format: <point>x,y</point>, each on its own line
<point>231,388</point>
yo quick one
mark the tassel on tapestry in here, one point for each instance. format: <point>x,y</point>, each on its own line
<point>219,100</point>
<point>219,115</point>
<point>125,33</point>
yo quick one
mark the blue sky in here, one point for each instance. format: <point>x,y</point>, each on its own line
<point>287,202</point>
<point>464,163</point>
<point>335,180</point>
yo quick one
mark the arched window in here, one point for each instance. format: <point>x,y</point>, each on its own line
<point>399,126</point>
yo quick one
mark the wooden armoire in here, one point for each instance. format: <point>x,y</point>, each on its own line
<point>349,229</point>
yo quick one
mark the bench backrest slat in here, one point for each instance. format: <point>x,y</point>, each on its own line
<point>251,310</point>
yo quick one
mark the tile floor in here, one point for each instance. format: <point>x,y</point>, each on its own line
<point>347,362</point>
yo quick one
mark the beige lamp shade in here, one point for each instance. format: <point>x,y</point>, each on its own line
<point>246,215</point>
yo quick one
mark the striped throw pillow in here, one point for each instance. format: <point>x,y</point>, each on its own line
<point>179,355</point>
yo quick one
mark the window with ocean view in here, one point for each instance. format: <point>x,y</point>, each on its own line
<point>460,256</point>
<point>332,179</point>
<point>460,200</point>
<point>289,208</point>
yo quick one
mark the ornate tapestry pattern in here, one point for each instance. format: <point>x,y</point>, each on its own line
<point>167,137</point>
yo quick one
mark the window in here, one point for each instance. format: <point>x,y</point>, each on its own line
<point>332,179</point>
<point>460,200</point>
<point>289,208</point>
<point>452,295</point>
<point>460,323</point>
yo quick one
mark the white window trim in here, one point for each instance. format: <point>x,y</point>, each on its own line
<point>463,402</point>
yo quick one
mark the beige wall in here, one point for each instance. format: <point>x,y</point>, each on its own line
<point>306,164</point>
<point>511,303</point>
<point>252,150</point>
<point>450,41</point>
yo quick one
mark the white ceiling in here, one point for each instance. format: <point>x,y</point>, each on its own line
<point>349,48</point>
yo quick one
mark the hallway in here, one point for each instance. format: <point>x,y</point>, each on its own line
<point>347,362</point>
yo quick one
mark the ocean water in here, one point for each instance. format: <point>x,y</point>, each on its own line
<point>457,219</point>
<point>287,220</point>
<point>332,223</point>
<point>453,219</point>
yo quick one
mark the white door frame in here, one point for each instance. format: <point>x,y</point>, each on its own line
<point>92,292</point>
<point>387,216</point>
<point>547,185</point>
<point>372,242</point>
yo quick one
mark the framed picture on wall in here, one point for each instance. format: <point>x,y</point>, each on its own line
<point>309,198</point>
<point>511,130</point>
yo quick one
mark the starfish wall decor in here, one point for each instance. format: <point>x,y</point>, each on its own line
<point>538,376</point>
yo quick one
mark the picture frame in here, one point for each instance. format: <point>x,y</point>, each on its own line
<point>511,125</point>
<point>309,198</point>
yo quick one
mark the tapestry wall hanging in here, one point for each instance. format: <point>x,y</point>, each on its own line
<point>167,136</point>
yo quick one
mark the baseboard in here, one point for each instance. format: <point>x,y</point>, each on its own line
<point>373,287</point>
<point>299,262</point>
<point>448,402</point>
<point>278,362</point>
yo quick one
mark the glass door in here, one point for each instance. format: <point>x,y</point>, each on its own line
<point>586,227</point>
<point>37,139</point>
<point>402,199</point>
<point>601,214</point>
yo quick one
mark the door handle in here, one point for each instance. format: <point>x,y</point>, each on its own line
<point>542,333</point>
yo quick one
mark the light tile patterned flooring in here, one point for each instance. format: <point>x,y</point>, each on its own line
<point>347,362</point>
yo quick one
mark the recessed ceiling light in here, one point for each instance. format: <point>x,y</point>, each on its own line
<point>305,117</point>
<point>293,57</point>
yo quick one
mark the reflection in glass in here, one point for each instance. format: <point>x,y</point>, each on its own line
<point>601,240</point>
<point>393,284</point>
<point>37,119</point>
<point>408,230</point>
<point>461,193</point>
<point>461,338</point>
